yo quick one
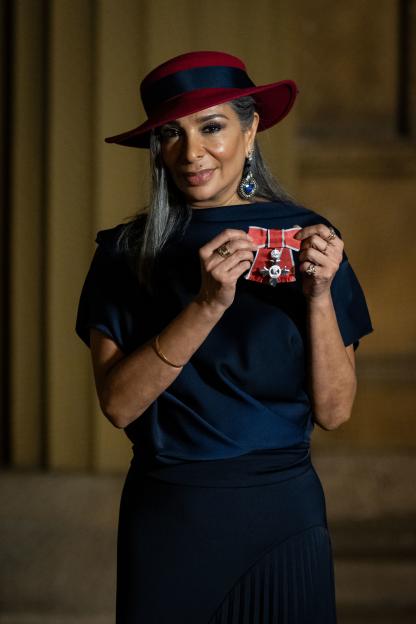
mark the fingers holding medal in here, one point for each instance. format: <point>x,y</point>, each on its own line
<point>224,251</point>
<point>236,252</point>
<point>320,255</point>
<point>223,260</point>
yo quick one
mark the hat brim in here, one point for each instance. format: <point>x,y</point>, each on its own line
<point>273,103</point>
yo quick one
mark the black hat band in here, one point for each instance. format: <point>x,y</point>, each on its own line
<point>213,77</point>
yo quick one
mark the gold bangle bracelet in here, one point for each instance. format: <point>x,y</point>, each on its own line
<point>159,353</point>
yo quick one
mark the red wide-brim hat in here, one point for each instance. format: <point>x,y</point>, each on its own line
<point>198,80</point>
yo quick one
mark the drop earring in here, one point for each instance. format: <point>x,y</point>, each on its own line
<point>248,185</point>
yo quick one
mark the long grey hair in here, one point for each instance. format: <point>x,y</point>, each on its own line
<point>143,238</point>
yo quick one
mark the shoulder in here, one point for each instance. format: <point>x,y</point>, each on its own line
<point>108,240</point>
<point>122,239</point>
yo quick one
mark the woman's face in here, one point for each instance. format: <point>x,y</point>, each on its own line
<point>205,153</point>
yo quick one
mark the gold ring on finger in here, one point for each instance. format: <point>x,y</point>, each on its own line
<point>224,250</point>
<point>331,234</point>
<point>311,270</point>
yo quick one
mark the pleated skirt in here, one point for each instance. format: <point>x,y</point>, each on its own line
<point>233,541</point>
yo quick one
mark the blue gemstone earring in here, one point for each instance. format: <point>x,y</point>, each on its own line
<point>248,185</point>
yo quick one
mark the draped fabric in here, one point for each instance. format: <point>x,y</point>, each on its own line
<point>222,517</point>
<point>245,387</point>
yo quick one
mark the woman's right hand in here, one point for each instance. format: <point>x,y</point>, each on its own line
<point>219,275</point>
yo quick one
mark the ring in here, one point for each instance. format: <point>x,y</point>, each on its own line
<point>311,270</point>
<point>224,250</point>
<point>332,234</point>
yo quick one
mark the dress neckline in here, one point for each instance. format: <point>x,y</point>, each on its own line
<point>255,210</point>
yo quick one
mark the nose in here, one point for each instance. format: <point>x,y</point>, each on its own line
<point>192,147</point>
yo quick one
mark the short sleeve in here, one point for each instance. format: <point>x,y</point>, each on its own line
<point>105,302</point>
<point>350,305</point>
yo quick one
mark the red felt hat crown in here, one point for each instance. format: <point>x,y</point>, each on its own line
<point>198,80</point>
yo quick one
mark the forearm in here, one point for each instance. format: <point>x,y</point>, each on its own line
<point>332,379</point>
<point>136,380</point>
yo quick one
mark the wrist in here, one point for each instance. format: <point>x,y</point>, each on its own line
<point>320,302</point>
<point>211,312</point>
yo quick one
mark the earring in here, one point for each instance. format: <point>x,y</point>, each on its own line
<point>248,185</point>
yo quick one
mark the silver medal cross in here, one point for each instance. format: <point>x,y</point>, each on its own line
<point>274,271</point>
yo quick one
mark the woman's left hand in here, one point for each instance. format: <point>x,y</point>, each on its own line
<point>320,256</point>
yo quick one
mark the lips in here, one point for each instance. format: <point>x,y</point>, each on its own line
<point>197,178</point>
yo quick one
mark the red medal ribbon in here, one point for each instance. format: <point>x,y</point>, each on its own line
<point>280,268</point>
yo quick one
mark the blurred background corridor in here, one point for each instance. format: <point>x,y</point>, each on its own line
<point>70,72</point>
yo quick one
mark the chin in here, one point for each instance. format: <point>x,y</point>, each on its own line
<point>200,195</point>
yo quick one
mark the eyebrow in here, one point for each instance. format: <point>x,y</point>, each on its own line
<point>213,116</point>
<point>202,119</point>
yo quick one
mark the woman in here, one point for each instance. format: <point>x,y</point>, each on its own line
<point>222,326</point>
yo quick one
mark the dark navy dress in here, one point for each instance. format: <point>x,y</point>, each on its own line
<point>222,517</point>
